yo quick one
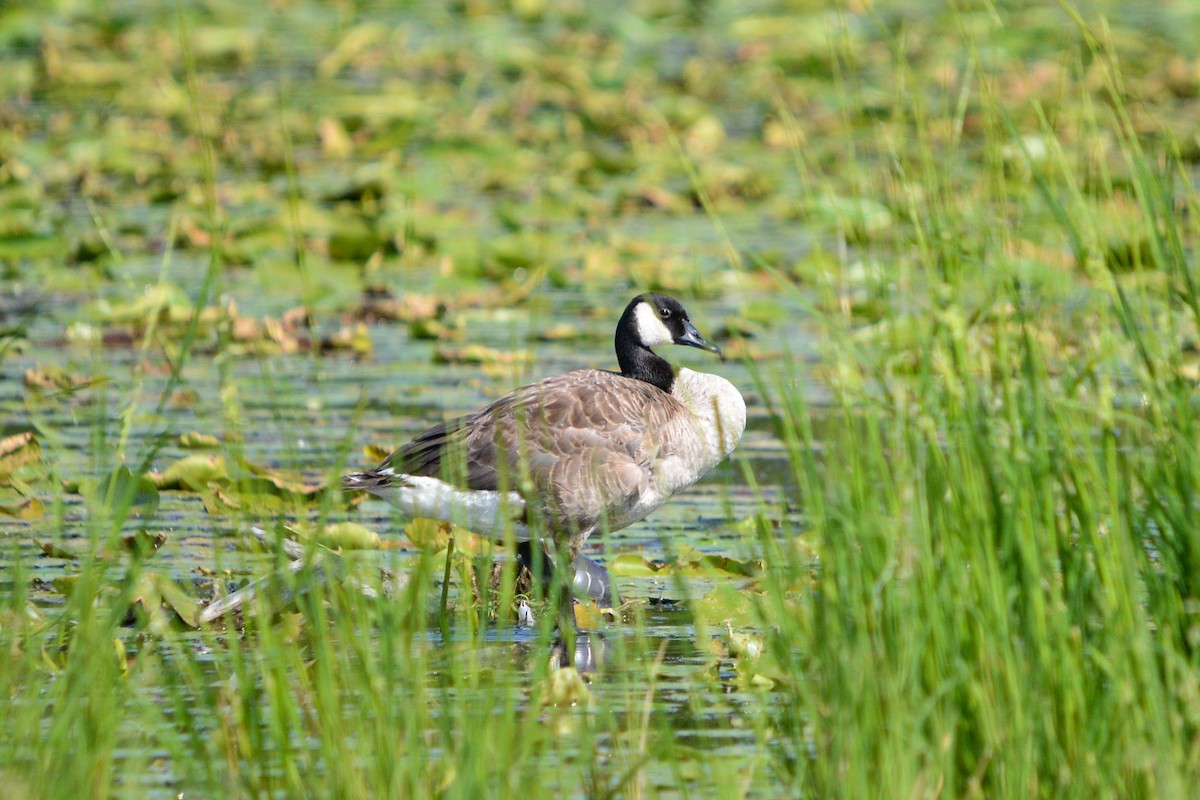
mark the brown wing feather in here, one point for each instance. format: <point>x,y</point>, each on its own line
<point>583,441</point>
<point>437,452</point>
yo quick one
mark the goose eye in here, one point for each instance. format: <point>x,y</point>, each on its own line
<point>665,313</point>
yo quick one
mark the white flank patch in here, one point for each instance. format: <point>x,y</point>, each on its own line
<point>486,513</point>
<point>651,329</point>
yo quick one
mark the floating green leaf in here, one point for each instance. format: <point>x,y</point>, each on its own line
<point>186,607</point>
<point>125,492</point>
<point>199,441</point>
<point>631,565</point>
<point>565,687</point>
<point>349,536</point>
<point>725,604</point>
<point>29,508</point>
<point>191,473</point>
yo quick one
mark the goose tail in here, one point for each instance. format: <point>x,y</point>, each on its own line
<point>369,481</point>
<point>489,513</point>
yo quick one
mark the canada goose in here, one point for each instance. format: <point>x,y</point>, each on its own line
<point>579,452</point>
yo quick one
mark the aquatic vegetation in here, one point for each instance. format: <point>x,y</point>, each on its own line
<point>952,252</point>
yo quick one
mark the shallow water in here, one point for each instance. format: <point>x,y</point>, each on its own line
<point>306,413</point>
<point>301,412</point>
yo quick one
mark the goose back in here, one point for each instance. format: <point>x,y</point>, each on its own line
<point>583,446</point>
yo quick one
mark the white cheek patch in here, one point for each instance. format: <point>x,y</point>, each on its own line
<point>651,329</point>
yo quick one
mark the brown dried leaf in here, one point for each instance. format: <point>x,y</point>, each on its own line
<point>54,551</point>
<point>299,317</point>
<point>409,307</point>
<point>54,378</point>
<point>16,451</point>
<point>356,339</point>
<point>481,354</point>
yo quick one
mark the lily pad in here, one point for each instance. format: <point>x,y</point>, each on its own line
<point>199,441</point>
<point>428,534</point>
<point>157,300</point>
<point>726,604</point>
<point>30,508</point>
<point>52,550</point>
<point>349,536</point>
<point>191,473</point>
<point>55,378</point>
<point>123,491</point>
<point>482,355</point>
<point>631,565</point>
<point>565,688</point>
<point>692,562</point>
<point>186,607</point>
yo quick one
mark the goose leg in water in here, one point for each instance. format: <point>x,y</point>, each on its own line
<point>590,579</point>
<point>564,576</point>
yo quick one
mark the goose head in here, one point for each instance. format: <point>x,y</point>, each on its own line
<point>651,320</point>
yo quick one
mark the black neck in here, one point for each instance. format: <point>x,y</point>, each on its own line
<point>636,359</point>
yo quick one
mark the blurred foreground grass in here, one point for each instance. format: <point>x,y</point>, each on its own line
<point>987,212</point>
